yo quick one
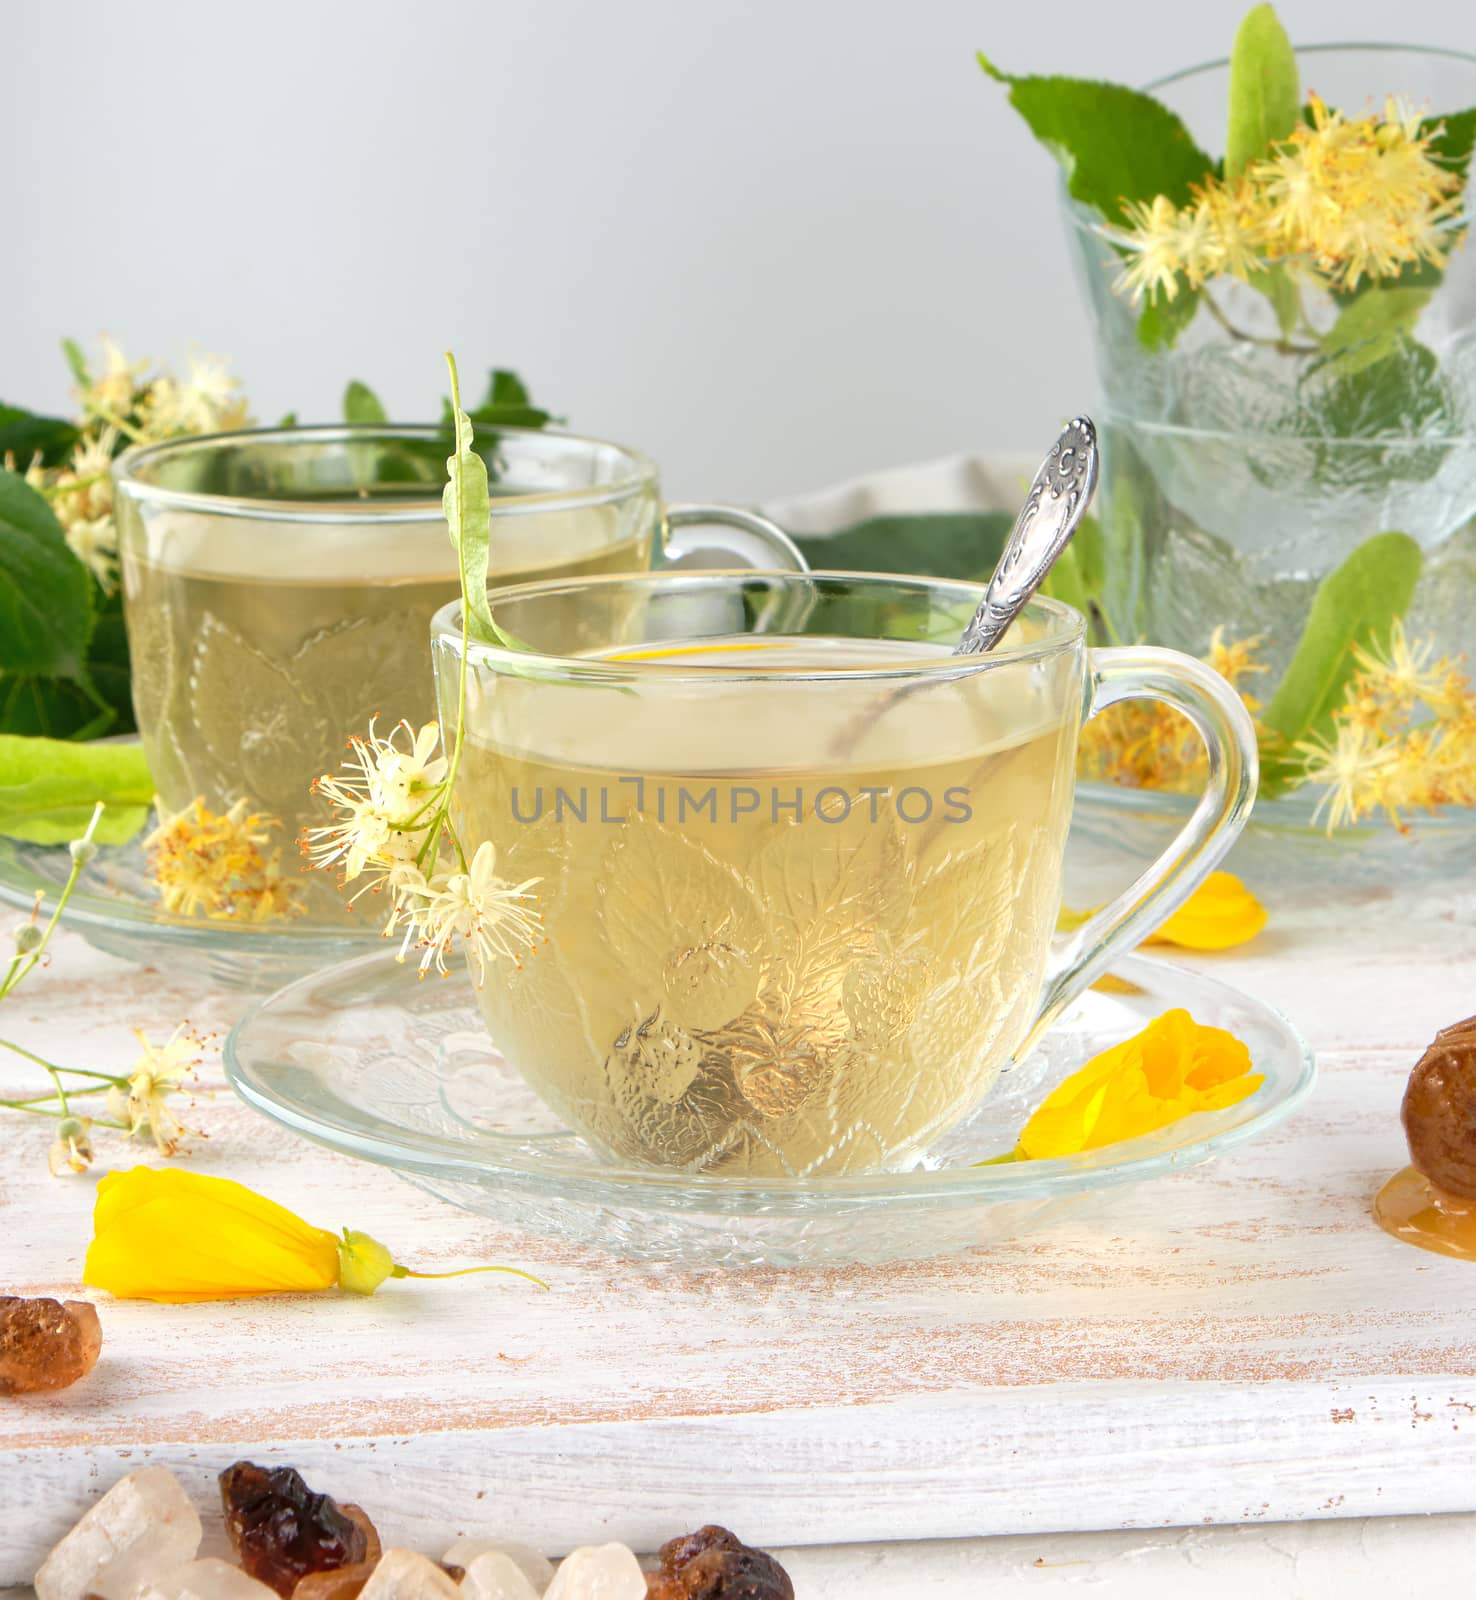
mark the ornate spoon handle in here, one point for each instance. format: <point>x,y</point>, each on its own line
<point>1052,512</point>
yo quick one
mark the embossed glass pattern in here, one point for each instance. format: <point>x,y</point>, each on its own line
<point>796,922</point>
<point>279,586</point>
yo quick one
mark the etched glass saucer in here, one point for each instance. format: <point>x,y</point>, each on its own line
<point>115,907</point>
<point>371,1061</point>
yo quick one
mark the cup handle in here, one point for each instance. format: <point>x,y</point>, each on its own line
<point>752,540</point>
<point>1204,697</point>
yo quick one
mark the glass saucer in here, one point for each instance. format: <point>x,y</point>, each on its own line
<point>115,907</point>
<point>369,1060</point>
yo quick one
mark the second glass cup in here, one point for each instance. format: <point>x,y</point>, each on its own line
<point>278,588</point>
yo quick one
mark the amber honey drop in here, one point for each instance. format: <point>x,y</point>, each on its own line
<point>1411,1208</point>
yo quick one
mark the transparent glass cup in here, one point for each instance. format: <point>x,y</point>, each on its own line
<point>798,866</point>
<point>278,585</point>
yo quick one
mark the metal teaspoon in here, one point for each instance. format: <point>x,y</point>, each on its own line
<point>1058,500</point>
<point>1052,512</point>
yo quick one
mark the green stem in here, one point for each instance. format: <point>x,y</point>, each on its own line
<point>1285,346</point>
<point>23,966</point>
<point>398,1271</point>
<point>125,428</point>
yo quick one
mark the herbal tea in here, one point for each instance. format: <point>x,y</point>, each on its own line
<point>758,959</point>
<point>249,685</point>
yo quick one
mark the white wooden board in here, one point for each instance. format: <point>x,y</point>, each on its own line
<point>1236,1343</point>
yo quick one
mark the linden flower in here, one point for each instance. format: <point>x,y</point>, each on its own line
<point>179,1237</point>
<point>1147,745</point>
<point>158,1073</point>
<point>71,1151</point>
<point>1150,239</point>
<point>210,863</point>
<point>490,916</point>
<point>1351,766</point>
<point>111,395</point>
<point>1173,1068</point>
<point>1345,200</point>
<point>387,799</point>
<point>210,402</point>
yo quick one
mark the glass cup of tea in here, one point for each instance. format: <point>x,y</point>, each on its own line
<point>278,586</point>
<point>798,866</point>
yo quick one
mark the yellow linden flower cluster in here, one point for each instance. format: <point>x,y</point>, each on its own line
<point>1405,741</point>
<point>1339,201</point>
<point>215,864</point>
<point>123,402</point>
<point>1143,744</point>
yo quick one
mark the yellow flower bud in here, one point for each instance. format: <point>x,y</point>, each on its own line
<point>363,1263</point>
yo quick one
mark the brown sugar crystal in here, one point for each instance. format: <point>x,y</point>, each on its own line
<point>713,1564</point>
<point>1440,1111</point>
<point>282,1530</point>
<point>46,1344</point>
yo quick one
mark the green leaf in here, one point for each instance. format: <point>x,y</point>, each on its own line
<point>76,361</point>
<point>1265,91</point>
<point>1163,320</point>
<point>45,591</point>
<point>940,544</point>
<point>1452,138</point>
<point>23,433</point>
<point>1356,604</point>
<point>466,501</point>
<point>48,789</point>
<point>288,420</point>
<point>361,404</point>
<point>56,708</point>
<point>108,665</point>
<point>1115,143</point>
<point>1369,328</point>
<point>506,403</point>
<point>1399,394</point>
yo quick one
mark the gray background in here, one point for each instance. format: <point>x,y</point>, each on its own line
<point>774,243</point>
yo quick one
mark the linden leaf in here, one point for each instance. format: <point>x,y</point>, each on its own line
<point>1116,144</point>
<point>1355,604</point>
<point>466,501</point>
<point>1265,91</point>
<point>362,405</point>
<point>1163,320</point>
<point>1368,329</point>
<point>48,788</point>
<point>46,594</point>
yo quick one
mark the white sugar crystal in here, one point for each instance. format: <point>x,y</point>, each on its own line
<point>144,1524</point>
<point>495,1576</point>
<point>405,1575</point>
<point>535,1568</point>
<point>203,1580</point>
<point>598,1572</point>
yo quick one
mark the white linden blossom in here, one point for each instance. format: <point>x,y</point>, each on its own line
<point>387,798</point>
<point>390,801</point>
<point>492,917</point>
<point>158,1072</point>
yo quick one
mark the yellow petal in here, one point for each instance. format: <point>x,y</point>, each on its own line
<point>1172,1068</point>
<point>162,1234</point>
<point>1220,913</point>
